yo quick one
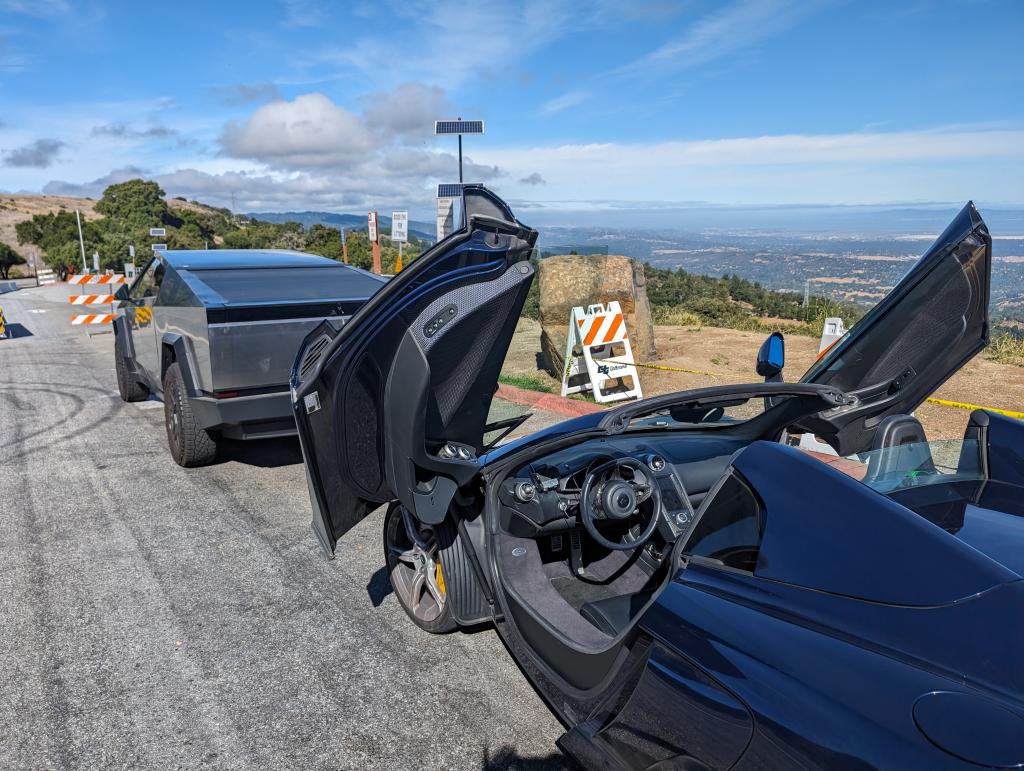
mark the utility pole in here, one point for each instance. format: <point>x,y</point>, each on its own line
<point>81,241</point>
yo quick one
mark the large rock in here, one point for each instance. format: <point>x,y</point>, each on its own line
<point>571,280</point>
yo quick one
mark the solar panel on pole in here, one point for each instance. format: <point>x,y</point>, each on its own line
<point>458,127</point>
<point>449,190</point>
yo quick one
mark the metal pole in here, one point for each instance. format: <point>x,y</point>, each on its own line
<point>460,158</point>
<point>81,241</point>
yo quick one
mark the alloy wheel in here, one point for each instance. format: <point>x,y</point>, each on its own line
<point>415,570</point>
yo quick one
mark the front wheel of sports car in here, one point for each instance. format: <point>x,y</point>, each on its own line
<point>414,568</point>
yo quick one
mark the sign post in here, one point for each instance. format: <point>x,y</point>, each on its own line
<point>399,233</point>
<point>371,222</point>
<point>344,246</point>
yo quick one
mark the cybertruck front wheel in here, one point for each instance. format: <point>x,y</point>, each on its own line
<point>130,389</point>
<point>190,445</point>
<point>413,563</point>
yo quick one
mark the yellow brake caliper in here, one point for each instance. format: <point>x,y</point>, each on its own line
<point>439,577</point>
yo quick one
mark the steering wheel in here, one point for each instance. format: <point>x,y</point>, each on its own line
<point>607,494</point>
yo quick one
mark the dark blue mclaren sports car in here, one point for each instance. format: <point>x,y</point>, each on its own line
<point>685,587</point>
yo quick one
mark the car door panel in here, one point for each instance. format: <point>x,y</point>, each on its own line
<point>138,310</point>
<point>412,374</point>
<point>926,328</point>
<point>710,725</point>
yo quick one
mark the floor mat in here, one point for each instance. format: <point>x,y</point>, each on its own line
<point>578,593</point>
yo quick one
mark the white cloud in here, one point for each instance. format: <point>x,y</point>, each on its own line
<point>451,42</point>
<point>720,34</point>
<point>309,132</point>
<point>303,13</point>
<point>408,112</point>
<point>39,154</point>
<point>563,102</point>
<point>36,7</point>
<point>723,33</point>
<point>859,167</point>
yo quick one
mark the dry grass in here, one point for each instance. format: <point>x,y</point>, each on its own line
<point>676,317</point>
<point>1006,349</point>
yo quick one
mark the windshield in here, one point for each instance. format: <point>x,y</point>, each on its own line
<point>727,412</point>
<point>917,464</point>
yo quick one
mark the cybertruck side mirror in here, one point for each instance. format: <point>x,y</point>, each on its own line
<point>772,358</point>
<point>122,292</point>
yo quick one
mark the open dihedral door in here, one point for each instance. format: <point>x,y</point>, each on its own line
<point>931,324</point>
<point>393,404</point>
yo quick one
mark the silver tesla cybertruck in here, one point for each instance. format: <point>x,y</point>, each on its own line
<point>214,334</point>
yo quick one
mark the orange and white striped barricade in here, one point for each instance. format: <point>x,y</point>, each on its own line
<point>92,318</point>
<point>96,278</point>
<point>45,276</point>
<point>599,356</point>
<point>92,299</point>
<point>110,282</point>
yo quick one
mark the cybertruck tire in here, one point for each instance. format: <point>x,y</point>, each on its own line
<point>190,445</point>
<point>130,389</point>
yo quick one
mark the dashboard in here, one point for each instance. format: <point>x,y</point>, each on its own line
<point>543,497</point>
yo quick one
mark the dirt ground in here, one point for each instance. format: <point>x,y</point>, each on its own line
<point>728,355</point>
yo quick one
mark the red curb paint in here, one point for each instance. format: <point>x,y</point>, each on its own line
<point>547,402</point>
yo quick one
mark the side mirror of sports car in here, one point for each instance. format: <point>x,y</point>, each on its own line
<point>771,358</point>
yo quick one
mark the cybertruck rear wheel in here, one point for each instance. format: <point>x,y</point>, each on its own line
<point>190,445</point>
<point>414,568</point>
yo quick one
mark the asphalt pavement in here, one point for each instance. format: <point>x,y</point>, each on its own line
<point>154,616</point>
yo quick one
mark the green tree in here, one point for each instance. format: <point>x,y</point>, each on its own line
<point>57,235</point>
<point>135,203</point>
<point>8,259</point>
<point>63,258</point>
<point>324,240</point>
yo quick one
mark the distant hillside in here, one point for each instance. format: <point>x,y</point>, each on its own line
<point>422,230</point>
<point>45,231</point>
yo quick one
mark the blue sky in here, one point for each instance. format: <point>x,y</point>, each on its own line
<point>624,106</point>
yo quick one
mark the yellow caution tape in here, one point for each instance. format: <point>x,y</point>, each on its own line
<point>664,368</point>
<point>965,406</point>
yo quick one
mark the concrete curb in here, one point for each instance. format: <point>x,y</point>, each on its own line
<point>546,402</point>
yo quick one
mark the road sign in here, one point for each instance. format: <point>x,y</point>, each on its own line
<point>159,247</point>
<point>399,226</point>
<point>157,232</point>
<point>95,262</point>
<point>131,251</point>
<point>371,223</point>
